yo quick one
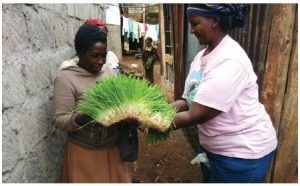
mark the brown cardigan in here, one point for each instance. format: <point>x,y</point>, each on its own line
<point>69,86</point>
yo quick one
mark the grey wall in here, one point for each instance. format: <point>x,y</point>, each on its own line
<point>114,40</point>
<point>36,38</point>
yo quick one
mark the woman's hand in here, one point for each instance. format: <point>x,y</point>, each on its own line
<point>82,119</point>
<point>130,123</point>
<point>179,105</point>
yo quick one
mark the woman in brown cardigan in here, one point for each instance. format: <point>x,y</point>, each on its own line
<point>90,154</point>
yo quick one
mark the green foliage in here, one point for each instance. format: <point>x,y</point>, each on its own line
<point>118,98</point>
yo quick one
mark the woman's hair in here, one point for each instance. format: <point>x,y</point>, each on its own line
<point>86,36</point>
<point>231,15</point>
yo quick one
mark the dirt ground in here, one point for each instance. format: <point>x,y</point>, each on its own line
<point>168,161</point>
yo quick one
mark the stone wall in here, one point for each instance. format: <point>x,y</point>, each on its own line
<point>36,38</point>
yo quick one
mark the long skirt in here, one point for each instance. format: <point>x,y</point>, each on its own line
<point>82,165</point>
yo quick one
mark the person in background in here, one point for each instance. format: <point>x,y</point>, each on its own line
<point>111,59</point>
<point>149,56</point>
<point>91,152</point>
<point>221,98</point>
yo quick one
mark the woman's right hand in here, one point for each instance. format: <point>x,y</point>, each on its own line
<point>82,119</point>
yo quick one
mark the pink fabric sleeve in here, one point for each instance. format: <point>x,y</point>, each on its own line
<point>220,88</point>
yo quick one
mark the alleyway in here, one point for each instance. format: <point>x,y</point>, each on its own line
<point>128,60</point>
<point>165,162</point>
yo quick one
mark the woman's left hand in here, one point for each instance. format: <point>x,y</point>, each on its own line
<point>131,123</point>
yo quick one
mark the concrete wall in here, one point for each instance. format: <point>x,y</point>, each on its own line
<point>114,40</point>
<point>36,38</point>
<point>167,88</point>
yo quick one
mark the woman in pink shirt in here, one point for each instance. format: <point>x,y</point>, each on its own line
<point>221,98</point>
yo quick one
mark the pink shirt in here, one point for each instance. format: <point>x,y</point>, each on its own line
<point>224,80</point>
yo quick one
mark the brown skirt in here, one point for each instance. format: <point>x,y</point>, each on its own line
<point>82,165</point>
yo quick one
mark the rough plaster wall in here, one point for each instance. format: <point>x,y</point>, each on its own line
<point>35,40</point>
<point>114,40</point>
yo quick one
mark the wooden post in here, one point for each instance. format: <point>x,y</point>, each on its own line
<point>163,70</point>
<point>275,89</point>
<point>178,22</point>
<point>287,155</point>
<point>264,27</point>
